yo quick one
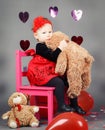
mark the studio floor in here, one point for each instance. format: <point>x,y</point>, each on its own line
<point>95,120</point>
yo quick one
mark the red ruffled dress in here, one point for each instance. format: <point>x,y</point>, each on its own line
<point>40,70</point>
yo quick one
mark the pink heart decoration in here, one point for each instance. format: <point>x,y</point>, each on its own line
<point>53,11</point>
<point>76,14</point>
<point>23,16</point>
<point>24,44</point>
<point>76,39</point>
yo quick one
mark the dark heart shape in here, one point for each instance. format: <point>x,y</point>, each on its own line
<point>24,44</point>
<point>78,39</point>
<point>23,16</point>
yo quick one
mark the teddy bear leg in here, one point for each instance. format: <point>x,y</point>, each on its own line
<point>34,122</point>
<point>12,124</point>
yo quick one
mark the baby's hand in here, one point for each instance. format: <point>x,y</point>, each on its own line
<point>62,45</point>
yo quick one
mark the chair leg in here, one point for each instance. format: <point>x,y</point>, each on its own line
<point>33,100</point>
<point>50,106</point>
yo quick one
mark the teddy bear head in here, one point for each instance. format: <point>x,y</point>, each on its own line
<point>54,41</point>
<point>17,98</point>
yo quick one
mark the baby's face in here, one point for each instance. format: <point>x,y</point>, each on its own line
<point>44,33</point>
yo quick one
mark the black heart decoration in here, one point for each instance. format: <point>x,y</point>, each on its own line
<point>23,16</point>
<point>24,44</point>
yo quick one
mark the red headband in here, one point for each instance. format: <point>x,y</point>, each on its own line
<point>39,22</point>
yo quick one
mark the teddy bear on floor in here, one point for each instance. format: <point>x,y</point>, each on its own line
<point>20,114</point>
<point>75,61</point>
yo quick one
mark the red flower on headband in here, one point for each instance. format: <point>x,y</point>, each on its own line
<point>39,22</point>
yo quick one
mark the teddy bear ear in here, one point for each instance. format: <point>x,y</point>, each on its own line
<point>27,96</point>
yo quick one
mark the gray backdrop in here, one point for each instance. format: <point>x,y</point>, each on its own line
<point>91,27</point>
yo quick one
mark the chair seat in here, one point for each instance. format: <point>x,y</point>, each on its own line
<point>38,91</point>
<point>37,88</point>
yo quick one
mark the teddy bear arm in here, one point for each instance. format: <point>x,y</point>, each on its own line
<point>33,109</point>
<point>61,64</point>
<point>6,115</point>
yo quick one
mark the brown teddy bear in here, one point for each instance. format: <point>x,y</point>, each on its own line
<point>75,61</point>
<point>20,114</point>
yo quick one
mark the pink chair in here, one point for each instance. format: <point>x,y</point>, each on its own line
<point>33,90</point>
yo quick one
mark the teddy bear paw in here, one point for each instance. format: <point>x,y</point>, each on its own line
<point>35,124</point>
<point>36,109</point>
<point>13,124</point>
<point>4,117</point>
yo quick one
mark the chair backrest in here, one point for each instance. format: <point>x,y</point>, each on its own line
<point>20,73</point>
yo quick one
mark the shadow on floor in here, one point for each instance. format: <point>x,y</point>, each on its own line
<point>95,120</point>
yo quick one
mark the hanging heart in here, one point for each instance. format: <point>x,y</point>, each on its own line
<point>53,11</point>
<point>78,39</point>
<point>24,16</point>
<point>76,14</point>
<point>24,44</point>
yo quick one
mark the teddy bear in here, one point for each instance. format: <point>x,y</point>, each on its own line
<point>21,114</point>
<point>74,61</point>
